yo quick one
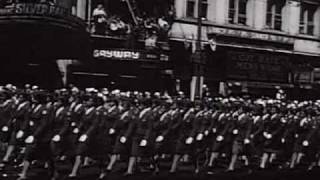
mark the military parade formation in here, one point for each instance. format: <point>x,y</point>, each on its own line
<point>105,127</point>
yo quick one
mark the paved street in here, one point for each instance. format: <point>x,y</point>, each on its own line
<point>185,173</point>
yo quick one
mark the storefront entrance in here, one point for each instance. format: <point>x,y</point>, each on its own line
<point>45,74</point>
<point>122,75</point>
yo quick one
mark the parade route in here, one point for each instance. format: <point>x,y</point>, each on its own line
<point>91,173</point>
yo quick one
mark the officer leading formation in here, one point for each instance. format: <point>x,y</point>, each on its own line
<point>146,130</point>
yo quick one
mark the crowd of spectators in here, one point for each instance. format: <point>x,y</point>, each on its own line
<point>140,26</point>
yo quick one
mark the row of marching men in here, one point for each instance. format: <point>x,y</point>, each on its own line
<point>75,126</point>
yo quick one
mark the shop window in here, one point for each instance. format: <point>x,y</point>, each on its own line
<point>237,11</point>
<point>307,18</point>
<point>274,19</point>
<point>190,8</point>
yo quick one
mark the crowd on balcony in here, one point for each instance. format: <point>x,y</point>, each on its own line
<point>141,23</point>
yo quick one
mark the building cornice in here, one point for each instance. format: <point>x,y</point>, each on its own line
<point>191,21</point>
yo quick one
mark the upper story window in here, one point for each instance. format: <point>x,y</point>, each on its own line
<point>307,18</point>
<point>191,8</point>
<point>204,8</point>
<point>274,18</point>
<point>237,11</point>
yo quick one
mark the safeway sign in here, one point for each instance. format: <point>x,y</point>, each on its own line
<point>128,54</point>
<point>116,54</point>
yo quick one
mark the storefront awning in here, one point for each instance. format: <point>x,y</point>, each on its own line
<point>261,84</point>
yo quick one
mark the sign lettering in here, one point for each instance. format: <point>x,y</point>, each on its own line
<point>251,35</point>
<point>124,54</point>
<point>116,54</point>
<point>35,9</point>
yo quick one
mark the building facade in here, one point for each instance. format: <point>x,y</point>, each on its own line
<point>252,45</point>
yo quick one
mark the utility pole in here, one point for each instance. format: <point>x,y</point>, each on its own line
<point>197,61</point>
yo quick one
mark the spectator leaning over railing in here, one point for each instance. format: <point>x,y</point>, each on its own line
<point>117,27</point>
<point>164,28</point>
<point>99,19</point>
<point>149,27</point>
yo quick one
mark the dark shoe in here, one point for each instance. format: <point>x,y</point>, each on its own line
<point>127,174</point>
<point>3,164</point>
<point>197,171</point>
<point>229,170</point>
<point>101,176</point>
<point>209,169</point>
<point>249,171</point>
<point>72,177</point>
<point>22,178</point>
<point>156,171</point>
<point>54,175</point>
<point>172,173</point>
<point>104,174</point>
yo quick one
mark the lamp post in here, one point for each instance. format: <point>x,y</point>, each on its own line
<point>197,61</point>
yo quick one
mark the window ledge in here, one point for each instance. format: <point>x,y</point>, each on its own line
<point>267,29</point>
<point>307,36</point>
<point>237,25</point>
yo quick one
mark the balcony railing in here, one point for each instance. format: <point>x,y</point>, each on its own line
<point>152,31</point>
